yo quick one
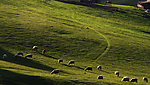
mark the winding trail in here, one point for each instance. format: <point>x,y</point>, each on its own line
<point>100,34</point>
<point>108,44</point>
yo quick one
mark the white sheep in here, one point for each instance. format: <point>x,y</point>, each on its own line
<point>88,68</point>
<point>145,79</point>
<point>134,80</point>
<point>148,11</point>
<point>125,79</point>
<point>117,73</point>
<point>60,60</point>
<point>4,56</point>
<point>55,71</point>
<point>99,67</point>
<point>100,77</point>
<point>28,55</point>
<point>34,48</point>
<point>71,62</point>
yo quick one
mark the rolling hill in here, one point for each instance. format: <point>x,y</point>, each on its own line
<point>116,37</point>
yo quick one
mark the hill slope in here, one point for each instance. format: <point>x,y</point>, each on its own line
<point>117,38</point>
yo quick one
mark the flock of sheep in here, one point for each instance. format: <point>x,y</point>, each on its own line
<point>56,71</point>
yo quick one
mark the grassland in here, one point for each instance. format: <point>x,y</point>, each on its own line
<point>118,39</point>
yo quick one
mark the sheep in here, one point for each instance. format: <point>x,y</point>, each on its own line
<point>4,56</point>
<point>34,48</point>
<point>87,27</point>
<point>117,73</point>
<point>71,62</point>
<point>20,53</point>
<point>43,51</point>
<point>100,77</point>
<point>60,60</point>
<point>125,79</point>
<point>99,67</point>
<point>55,71</point>
<point>145,79</point>
<point>148,11</point>
<point>134,80</point>
<point>88,68</point>
<point>28,55</point>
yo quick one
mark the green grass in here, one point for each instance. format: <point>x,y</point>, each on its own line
<point>118,39</point>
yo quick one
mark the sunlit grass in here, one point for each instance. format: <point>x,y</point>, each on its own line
<point>117,40</point>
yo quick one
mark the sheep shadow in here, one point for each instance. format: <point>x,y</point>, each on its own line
<point>25,62</point>
<point>105,71</point>
<point>12,78</point>
<point>46,55</point>
<point>73,66</point>
<point>90,72</point>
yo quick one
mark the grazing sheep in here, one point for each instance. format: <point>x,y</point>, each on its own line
<point>125,79</point>
<point>147,11</point>
<point>20,53</point>
<point>88,68</point>
<point>71,62</point>
<point>100,77</point>
<point>99,67</point>
<point>28,55</point>
<point>55,71</point>
<point>4,56</point>
<point>87,27</point>
<point>134,80</point>
<point>43,51</point>
<point>145,79</point>
<point>60,60</point>
<point>117,73</point>
<point>34,48</point>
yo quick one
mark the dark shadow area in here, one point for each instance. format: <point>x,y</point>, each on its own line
<point>146,32</point>
<point>12,78</point>
<point>91,5</point>
<point>74,82</point>
<point>23,61</point>
<point>105,71</point>
<point>46,55</point>
<point>90,72</point>
<point>73,66</point>
<point>145,15</point>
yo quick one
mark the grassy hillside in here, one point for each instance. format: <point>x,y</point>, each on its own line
<point>117,38</point>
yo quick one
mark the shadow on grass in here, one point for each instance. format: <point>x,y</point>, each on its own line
<point>73,66</point>
<point>46,55</point>
<point>23,61</point>
<point>12,78</point>
<point>105,71</point>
